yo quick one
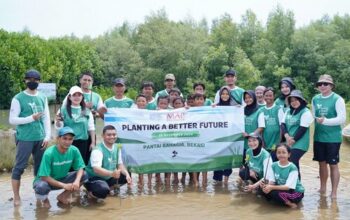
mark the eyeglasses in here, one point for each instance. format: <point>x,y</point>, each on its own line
<point>169,80</point>
<point>322,84</point>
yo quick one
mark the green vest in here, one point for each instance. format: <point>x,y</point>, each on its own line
<point>271,132</point>
<point>78,122</point>
<point>251,124</point>
<point>261,105</point>
<point>94,98</point>
<point>326,107</point>
<point>57,165</point>
<point>208,102</point>
<point>293,123</point>
<point>109,161</point>
<point>282,173</point>
<point>281,103</point>
<point>237,94</point>
<point>162,93</point>
<point>152,105</point>
<point>33,131</point>
<point>256,163</point>
<point>119,103</point>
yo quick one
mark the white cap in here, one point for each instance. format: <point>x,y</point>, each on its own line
<point>74,90</point>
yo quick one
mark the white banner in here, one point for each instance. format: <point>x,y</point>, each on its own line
<point>49,90</point>
<point>180,140</point>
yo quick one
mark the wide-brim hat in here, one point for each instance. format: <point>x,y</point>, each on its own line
<point>325,78</point>
<point>296,94</point>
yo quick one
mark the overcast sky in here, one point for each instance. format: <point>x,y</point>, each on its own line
<point>54,18</point>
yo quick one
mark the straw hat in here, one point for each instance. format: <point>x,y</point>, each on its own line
<point>325,78</point>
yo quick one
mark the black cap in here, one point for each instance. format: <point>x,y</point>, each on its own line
<point>230,72</point>
<point>120,81</point>
<point>32,74</point>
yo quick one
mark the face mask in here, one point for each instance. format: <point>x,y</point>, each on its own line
<point>32,85</point>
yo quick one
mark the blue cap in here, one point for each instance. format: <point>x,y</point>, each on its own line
<point>66,130</point>
<point>32,74</point>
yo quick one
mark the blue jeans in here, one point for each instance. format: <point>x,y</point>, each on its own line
<point>42,188</point>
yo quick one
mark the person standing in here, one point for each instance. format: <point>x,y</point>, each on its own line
<point>295,126</point>
<point>199,87</point>
<point>330,113</point>
<point>273,115</point>
<point>286,86</point>
<point>235,91</point>
<point>75,115</point>
<point>147,89</point>
<point>259,93</point>
<point>93,101</point>
<point>253,116</point>
<point>225,100</point>
<point>119,100</point>
<point>170,83</point>
<point>30,113</point>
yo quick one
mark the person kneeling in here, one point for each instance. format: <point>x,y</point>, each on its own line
<point>286,187</point>
<point>257,166</point>
<point>104,175</point>
<point>54,169</point>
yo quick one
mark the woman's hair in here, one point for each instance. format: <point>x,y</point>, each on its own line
<point>69,107</point>
<point>283,144</point>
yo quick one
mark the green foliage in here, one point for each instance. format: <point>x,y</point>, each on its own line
<point>248,76</point>
<point>251,31</point>
<point>215,63</point>
<point>225,32</point>
<point>280,28</point>
<point>104,91</point>
<point>193,51</point>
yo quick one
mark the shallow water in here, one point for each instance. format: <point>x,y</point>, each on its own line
<point>216,201</point>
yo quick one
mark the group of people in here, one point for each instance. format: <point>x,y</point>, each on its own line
<point>277,135</point>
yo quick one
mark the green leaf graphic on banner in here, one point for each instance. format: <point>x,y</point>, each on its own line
<point>129,141</point>
<point>231,138</point>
